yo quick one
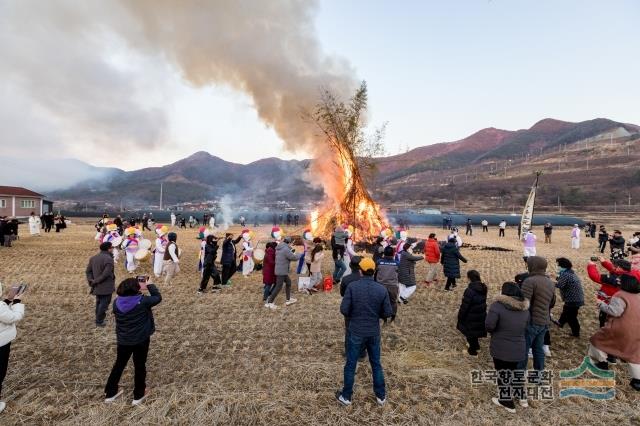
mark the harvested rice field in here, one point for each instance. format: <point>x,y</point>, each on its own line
<point>225,359</point>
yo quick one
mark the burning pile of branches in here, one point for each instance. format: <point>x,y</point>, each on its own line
<point>350,152</point>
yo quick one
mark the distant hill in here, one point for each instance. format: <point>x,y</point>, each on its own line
<point>198,177</point>
<point>487,165</point>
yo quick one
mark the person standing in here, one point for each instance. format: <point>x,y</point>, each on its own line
<point>34,224</point>
<point>134,328</point>
<point>469,230</point>
<point>228,258</point>
<point>485,225</point>
<point>171,261</point>
<point>592,230</point>
<point>432,255</point>
<point>501,227</point>
<point>145,222</point>
<point>338,248</point>
<point>620,337</point>
<point>548,230</point>
<point>268,270</point>
<point>450,260</point>
<point>354,276</point>
<point>539,290</point>
<point>365,302</point>
<point>11,312</point>
<point>173,219</point>
<point>575,237</point>
<point>209,264</point>
<point>284,257</point>
<point>387,275</point>
<point>529,242</point>
<point>507,321</point>
<point>473,312</point>
<point>160,249</point>
<point>616,243</point>
<point>212,222</point>
<point>571,293</point>
<point>102,280</point>
<point>407,273</point>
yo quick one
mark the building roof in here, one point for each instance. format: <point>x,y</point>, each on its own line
<point>18,191</point>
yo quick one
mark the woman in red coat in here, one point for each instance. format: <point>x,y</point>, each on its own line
<point>268,270</point>
<point>432,255</point>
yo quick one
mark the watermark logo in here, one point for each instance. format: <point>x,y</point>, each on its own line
<point>599,385</point>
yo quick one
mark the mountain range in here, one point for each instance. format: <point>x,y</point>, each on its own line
<point>203,176</point>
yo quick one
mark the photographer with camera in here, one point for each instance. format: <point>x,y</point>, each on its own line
<point>616,243</point>
<point>11,311</point>
<point>134,327</point>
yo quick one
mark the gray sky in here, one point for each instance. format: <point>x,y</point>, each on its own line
<point>137,84</point>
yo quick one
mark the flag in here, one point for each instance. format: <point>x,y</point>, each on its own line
<point>527,214</point>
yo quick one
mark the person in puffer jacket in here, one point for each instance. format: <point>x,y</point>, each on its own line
<point>473,312</point>
<point>387,275</point>
<point>571,292</point>
<point>11,312</point>
<point>284,257</point>
<point>134,327</point>
<point>407,273</point>
<point>432,255</point>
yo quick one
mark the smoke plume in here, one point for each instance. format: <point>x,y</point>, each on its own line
<point>266,49</point>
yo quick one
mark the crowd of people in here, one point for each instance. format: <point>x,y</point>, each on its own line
<point>518,320</point>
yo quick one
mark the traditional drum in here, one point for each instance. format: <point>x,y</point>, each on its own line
<point>145,244</point>
<point>142,254</point>
<point>258,256</point>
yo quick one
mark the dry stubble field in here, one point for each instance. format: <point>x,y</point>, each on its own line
<point>225,359</point>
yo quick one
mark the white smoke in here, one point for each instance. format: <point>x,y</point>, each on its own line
<point>79,71</point>
<point>226,211</point>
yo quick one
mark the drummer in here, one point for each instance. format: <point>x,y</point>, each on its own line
<point>113,237</point>
<point>130,246</point>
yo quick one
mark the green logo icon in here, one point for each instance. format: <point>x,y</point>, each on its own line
<point>599,385</point>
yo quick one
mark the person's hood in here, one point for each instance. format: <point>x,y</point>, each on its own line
<point>282,246</point>
<point>537,265</point>
<point>127,303</point>
<point>478,287</point>
<point>617,239</point>
<point>513,304</point>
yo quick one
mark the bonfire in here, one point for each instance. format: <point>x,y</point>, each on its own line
<point>349,201</point>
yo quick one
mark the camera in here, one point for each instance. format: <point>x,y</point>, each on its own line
<point>594,258</point>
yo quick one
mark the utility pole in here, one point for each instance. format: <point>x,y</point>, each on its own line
<point>629,198</point>
<point>160,195</point>
<point>587,164</point>
<point>559,205</point>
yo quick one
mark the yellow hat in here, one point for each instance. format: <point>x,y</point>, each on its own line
<point>367,264</point>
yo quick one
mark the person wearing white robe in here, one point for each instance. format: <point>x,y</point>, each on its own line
<point>173,219</point>
<point>158,255</point>
<point>130,246</point>
<point>575,237</point>
<point>455,235</point>
<point>112,237</point>
<point>247,254</point>
<point>34,224</point>
<point>529,244</point>
<point>348,254</point>
<point>212,222</point>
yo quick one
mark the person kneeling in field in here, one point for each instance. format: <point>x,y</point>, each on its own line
<point>134,327</point>
<point>365,302</point>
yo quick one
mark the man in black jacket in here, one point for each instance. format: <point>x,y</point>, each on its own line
<point>102,280</point>
<point>228,258</point>
<point>616,243</point>
<point>209,264</point>
<point>365,302</point>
